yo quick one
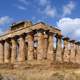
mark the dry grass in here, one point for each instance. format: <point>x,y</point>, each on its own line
<point>40,74</point>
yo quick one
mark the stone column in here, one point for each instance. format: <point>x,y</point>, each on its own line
<point>6,51</point>
<point>72,54</point>
<point>22,47</point>
<point>77,52</point>
<point>45,45</point>
<point>13,50</point>
<point>30,46</point>
<point>66,50</point>
<point>50,53</point>
<point>1,52</point>
<point>59,49</point>
<point>40,47</point>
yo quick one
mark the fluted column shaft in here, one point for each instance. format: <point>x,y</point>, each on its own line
<point>14,50</point>
<point>45,45</point>
<point>66,51</point>
<point>6,52</point>
<point>59,49</point>
<point>30,46</point>
<point>77,53</point>
<point>50,53</point>
<point>21,55</point>
<point>1,52</point>
<point>72,55</point>
<point>40,47</point>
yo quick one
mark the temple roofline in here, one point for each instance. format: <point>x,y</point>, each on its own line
<point>33,27</point>
<point>47,25</point>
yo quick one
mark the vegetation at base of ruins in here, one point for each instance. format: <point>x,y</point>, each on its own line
<point>39,74</point>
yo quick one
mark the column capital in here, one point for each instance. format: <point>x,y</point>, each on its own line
<point>58,36</point>
<point>40,30</point>
<point>7,39</point>
<point>78,43</point>
<point>45,35</point>
<point>30,33</point>
<point>72,41</point>
<point>22,35</point>
<point>50,33</point>
<point>66,38</point>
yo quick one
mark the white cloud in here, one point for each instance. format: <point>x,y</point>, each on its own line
<point>50,11</point>
<point>24,2</point>
<point>21,7</point>
<point>70,27</point>
<point>3,22</point>
<point>43,2</point>
<point>47,9</point>
<point>5,19</point>
<point>67,9</point>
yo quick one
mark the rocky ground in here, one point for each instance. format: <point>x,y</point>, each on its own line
<point>39,74</point>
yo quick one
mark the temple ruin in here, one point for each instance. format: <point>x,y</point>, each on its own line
<point>27,42</point>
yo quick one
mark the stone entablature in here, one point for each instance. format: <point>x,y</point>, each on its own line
<point>26,41</point>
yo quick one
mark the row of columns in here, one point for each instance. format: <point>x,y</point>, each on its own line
<point>71,51</point>
<point>15,49</point>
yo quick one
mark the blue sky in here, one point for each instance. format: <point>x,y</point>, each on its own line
<point>65,14</point>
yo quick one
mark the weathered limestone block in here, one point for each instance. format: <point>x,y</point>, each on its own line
<point>66,50</point>
<point>50,53</point>
<point>6,51</point>
<point>22,47</point>
<point>72,54</point>
<point>45,45</point>
<point>59,49</point>
<point>30,46</point>
<point>40,47</point>
<point>13,50</point>
<point>1,52</point>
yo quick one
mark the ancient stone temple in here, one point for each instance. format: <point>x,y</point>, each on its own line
<point>28,42</point>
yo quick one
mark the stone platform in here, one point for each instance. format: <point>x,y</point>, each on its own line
<point>42,65</point>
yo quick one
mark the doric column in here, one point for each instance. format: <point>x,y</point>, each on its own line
<point>59,49</point>
<point>35,45</point>
<point>1,52</point>
<point>72,54</point>
<point>50,53</point>
<point>77,52</point>
<point>13,50</point>
<point>30,46</point>
<point>21,54</point>
<point>66,50</point>
<point>40,47</point>
<point>6,51</point>
<point>45,45</point>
